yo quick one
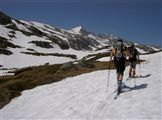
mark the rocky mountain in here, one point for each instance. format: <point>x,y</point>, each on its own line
<point>65,39</point>
<point>21,40</point>
<point>76,38</point>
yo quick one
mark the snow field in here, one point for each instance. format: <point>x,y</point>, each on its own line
<point>85,97</point>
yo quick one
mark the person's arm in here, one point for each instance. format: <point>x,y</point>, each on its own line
<point>111,54</point>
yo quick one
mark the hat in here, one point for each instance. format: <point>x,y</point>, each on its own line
<point>120,40</point>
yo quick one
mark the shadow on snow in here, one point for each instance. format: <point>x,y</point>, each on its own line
<point>143,76</point>
<point>137,87</point>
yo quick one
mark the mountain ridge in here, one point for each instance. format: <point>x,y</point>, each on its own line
<point>76,38</point>
<point>40,42</point>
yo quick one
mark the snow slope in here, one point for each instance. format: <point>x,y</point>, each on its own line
<point>85,97</point>
<point>19,60</point>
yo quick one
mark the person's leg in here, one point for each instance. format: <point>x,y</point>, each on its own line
<point>120,71</point>
<point>117,76</point>
<point>134,69</point>
<point>119,81</point>
<point>120,77</point>
<point>130,71</point>
<point>133,72</point>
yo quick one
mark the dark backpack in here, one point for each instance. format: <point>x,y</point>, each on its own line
<point>132,52</point>
<point>119,50</point>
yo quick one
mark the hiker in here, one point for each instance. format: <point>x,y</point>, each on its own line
<point>119,53</point>
<point>133,57</point>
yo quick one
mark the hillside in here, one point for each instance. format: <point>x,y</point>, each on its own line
<point>85,97</point>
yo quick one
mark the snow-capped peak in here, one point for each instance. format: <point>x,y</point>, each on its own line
<point>76,30</point>
<point>79,30</point>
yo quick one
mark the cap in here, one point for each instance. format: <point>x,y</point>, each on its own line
<point>120,40</point>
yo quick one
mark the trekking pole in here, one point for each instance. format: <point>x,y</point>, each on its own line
<point>139,64</point>
<point>108,77</point>
<point>139,67</point>
<point>134,79</point>
<point>134,82</point>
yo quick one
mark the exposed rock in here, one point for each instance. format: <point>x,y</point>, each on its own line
<point>5,52</point>
<point>11,26</point>
<point>35,31</point>
<point>63,45</point>
<point>42,44</point>
<point>4,19</point>
<point>5,44</point>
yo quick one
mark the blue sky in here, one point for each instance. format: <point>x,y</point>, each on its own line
<point>135,20</point>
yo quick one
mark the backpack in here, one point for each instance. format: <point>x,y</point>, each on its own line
<point>119,50</point>
<point>132,52</point>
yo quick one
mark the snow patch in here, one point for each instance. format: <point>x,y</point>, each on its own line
<point>20,26</point>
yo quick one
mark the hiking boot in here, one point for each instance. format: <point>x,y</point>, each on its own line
<point>119,90</point>
<point>119,87</point>
<point>129,75</point>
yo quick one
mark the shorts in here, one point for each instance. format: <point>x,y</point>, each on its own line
<point>133,64</point>
<point>119,65</point>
